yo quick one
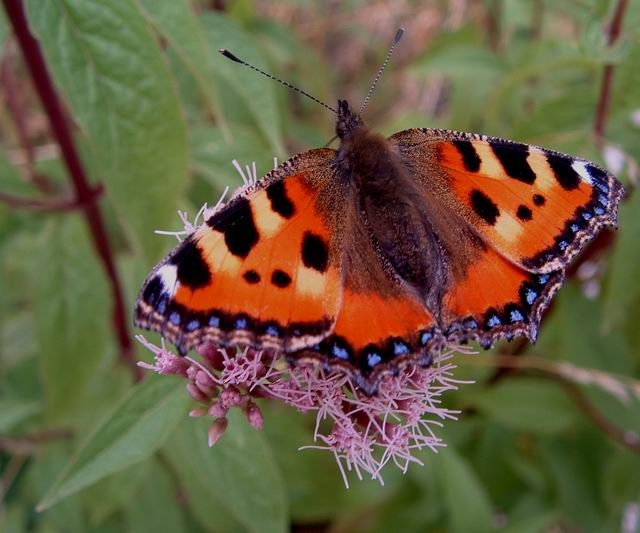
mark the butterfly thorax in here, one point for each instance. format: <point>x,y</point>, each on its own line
<point>390,206</point>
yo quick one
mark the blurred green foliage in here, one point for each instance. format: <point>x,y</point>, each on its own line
<point>159,116</point>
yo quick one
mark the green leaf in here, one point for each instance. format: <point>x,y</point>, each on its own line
<point>213,156</point>
<point>210,513</point>
<point>159,494</point>
<point>13,519</point>
<point>13,411</point>
<point>4,28</point>
<point>136,427</point>
<point>528,404</point>
<point>573,315</point>
<point>255,92</point>
<point>72,309</point>
<point>577,478</point>
<point>106,59</point>
<point>468,505</point>
<point>530,524</point>
<point>239,472</point>
<point>69,515</point>
<point>116,492</point>
<point>461,60</point>
<point>621,479</point>
<point>623,289</point>
<point>176,21</point>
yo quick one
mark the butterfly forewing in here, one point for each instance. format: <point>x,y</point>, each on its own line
<point>532,209</point>
<point>536,207</point>
<point>259,272</point>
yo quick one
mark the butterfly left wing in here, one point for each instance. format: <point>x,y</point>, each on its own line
<point>263,271</point>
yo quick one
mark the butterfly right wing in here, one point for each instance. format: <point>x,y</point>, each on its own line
<point>263,271</point>
<point>510,218</point>
<point>534,206</point>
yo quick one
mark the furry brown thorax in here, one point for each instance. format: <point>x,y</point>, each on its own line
<point>392,206</point>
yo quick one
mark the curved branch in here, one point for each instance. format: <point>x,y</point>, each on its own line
<point>602,111</point>
<point>48,204</point>
<point>83,191</point>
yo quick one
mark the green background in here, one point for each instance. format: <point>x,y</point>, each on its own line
<point>158,116</point>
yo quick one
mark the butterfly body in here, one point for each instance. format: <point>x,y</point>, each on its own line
<point>387,205</point>
<point>373,256</point>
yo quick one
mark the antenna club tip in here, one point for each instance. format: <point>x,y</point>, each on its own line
<point>398,36</point>
<point>229,55</point>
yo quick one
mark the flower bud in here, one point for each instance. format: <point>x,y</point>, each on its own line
<point>254,415</point>
<point>216,430</point>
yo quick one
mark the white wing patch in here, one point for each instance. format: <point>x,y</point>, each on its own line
<point>581,168</point>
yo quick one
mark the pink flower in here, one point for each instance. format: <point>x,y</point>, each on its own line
<point>364,433</point>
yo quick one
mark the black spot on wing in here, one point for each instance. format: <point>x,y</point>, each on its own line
<point>538,199</point>
<point>238,226</point>
<point>524,213</point>
<point>251,277</point>
<point>564,173</point>
<point>280,202</point>
<point>484,206</point>
<point>152,290</point>
<point>280,278</point>
<point>470,157</point>
<point>193,271</point>
<point>315,252</point>
<point>513,158</point>
<point>597,174</point>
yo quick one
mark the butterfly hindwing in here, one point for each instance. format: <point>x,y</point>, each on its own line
<point>261,271</point>
<point>535,206</point>
<point>382,323</point>
<point>495,299</point>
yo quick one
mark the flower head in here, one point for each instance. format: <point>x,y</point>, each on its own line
<point>363,432</point>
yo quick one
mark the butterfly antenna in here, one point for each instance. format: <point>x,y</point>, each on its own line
<point>235,58</point>
<point>395,41</point>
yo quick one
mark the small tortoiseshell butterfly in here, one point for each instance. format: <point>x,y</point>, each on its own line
<point>374,255</point>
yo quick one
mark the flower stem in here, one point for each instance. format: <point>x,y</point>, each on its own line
<point>602,111</point>
<point>571,377</point>
<point>37,204</point>
<point>84,192</point>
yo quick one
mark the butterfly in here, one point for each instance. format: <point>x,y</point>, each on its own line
<point>374,256</point>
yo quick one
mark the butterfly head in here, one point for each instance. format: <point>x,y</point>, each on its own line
<point>348,121</point>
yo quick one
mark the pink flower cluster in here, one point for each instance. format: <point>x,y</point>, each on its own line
<point>363,432</point>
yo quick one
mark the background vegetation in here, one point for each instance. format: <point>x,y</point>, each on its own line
<point>548,439</point>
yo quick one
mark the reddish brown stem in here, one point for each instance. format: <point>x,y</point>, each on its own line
<point>493,24</point>
<point>626,439</point>
<point>602,111</point>
<point>28,444</point>
<point>83,190</point>
<point>546,368</point>
<point>48,205</point>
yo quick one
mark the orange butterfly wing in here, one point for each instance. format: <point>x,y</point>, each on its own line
<point>381,324</point>
<point>262,271</point>
<point>532,211</point>
<point>496,299</point>
<point>536,207</point>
